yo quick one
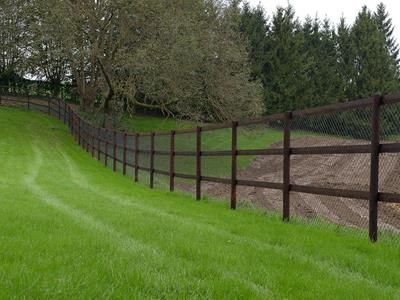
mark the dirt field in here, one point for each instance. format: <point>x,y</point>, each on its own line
<point>336,171</point>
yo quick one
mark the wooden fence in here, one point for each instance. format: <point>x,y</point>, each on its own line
<point>89,137</point>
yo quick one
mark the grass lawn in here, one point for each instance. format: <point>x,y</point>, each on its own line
<point>71,228</point>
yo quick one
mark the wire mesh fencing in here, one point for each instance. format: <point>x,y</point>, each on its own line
<point>347,171</point>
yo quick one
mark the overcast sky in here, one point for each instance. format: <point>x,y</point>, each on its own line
<point>334,9</point>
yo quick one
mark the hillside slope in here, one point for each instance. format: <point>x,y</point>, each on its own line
<point>70,228</point>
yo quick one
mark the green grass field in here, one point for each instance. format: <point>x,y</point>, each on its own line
<point>72,229</point>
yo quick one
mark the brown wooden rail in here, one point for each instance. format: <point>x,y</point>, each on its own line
<point>89,137</point>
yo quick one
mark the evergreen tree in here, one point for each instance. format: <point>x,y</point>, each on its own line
<point>346,58</point>
<point>374,65</point>
<point>309,45</point>
<point>385,25</point>
<point>283,69</point>
<point>253,24</point>
<point>323,84</point>
<point>329,86</point>
<point>313,63</point>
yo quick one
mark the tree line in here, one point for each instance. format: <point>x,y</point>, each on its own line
<point>314,62</point>
<point>203,60</point>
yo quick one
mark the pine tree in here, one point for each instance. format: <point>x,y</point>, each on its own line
<point>309,45</point>
<point>374,64</point>
<point>329,86</point>
<point>253,24</point>
<point>322,82</point>
<point>283,70</point>
<point>385,25</point>
<point>313,63</point>
<point>346,58</point>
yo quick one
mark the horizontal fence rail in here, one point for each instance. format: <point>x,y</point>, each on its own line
<point>108,143</point>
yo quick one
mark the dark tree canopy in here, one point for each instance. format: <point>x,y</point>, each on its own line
<point>315,62</point>
<point>208,60</point>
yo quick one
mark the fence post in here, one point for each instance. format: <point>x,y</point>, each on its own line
<point>137,157</point>
<point>48,106</point>
<point>198,163</point>
<point>234,165</point>
<point>85,140</point>
<point>115,151</point>
<point>374,176</point>
<point>152,160</point>
<point>59,109</point>
<point>86,137</point>
<point>83,135</point>
<point>124,155</point>
<point>86,133</point>
<point>106,150</point>
<point>72,125</point>
<point>92,139</point>
<point>286,167</point>
<point>29,103</point>
<point>65,112</point>
<point>69,118</point>
<point>75,127</point>
<point>98,143</point>
<point>172,162</point>
<point>79,131</point>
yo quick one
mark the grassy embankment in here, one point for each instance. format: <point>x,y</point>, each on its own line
<point>70,228</point>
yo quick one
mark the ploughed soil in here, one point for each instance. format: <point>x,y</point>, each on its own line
<point>350,171</point>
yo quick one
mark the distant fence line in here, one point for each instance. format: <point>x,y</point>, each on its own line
<point>91,138</point>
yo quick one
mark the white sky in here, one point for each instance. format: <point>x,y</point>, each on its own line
<point>334,9</point>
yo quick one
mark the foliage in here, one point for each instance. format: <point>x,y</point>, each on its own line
<point>189,63</point>
<point>199,60</point>
<point>13,38</point>
<point>385,26</point>
<point>311,63</point>
<point>179,58</point>
<point>46,59</point>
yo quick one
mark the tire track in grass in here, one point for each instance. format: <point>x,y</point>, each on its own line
<point>124,241</point>
<point>74,213</point>
<point>323,265</point>
<point>81,181</point>
<point>76,175</point>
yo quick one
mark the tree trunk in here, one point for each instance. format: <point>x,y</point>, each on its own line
<point>107,101</point>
